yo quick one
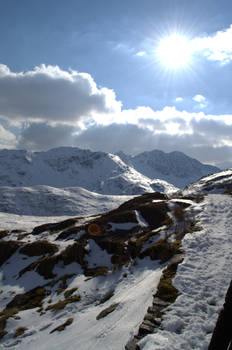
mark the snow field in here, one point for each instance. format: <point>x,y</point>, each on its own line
<point>133,293</point>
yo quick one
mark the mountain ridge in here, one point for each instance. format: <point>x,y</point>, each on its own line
<point>100,172</point>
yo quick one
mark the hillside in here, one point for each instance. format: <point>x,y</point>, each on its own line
<point>150,275</point>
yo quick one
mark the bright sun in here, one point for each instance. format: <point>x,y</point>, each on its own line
<point>175,51</point>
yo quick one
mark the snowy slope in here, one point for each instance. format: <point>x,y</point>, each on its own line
<point>61,263</point>
<point>98,286</point>
<point>216,183</point>
<point>202,280</point>
<point>175,167</point>
<point>99,172</point>
<point>50,201</point>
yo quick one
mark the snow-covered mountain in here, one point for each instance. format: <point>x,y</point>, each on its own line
<point>175,167</point>
<point>99,172</point>
<point>149,275</point>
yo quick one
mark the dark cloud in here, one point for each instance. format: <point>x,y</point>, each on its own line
<point>49,93</point>
<point>210,128</point>
<point>132,139</point>
<point>41,136</point>
<point>154,123</point>
<point>112,138</point>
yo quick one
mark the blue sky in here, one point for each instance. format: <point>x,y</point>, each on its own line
<point>89,74</point>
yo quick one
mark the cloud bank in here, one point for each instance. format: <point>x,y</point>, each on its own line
<point>48,107</point>
<point>52,94</point>
<point>217,47</point>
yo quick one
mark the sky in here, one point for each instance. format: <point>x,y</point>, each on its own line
<point>125,75</point>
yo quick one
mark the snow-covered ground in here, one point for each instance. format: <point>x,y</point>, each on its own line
<point>202,280</point>
<point>26,223</point>
<point>133,294</point>
<point>51,201</point>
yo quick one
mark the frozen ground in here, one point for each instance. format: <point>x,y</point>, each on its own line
<point>51,201</point>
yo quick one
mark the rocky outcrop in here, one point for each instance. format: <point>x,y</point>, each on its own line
<point>37,248</point>
<point>7,248</point>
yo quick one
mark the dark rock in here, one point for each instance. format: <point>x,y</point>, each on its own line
<point>153,310</point>
<point>145,329</point>
<point>152,319</point>
<point>28,300</point>
<point>7,248</point>
<point>63,326</point>
<point>4,233</point>
<point>222,335</point>
<point>38,248</point>
<point>160,303</point>
<point>45,266</point>
<point>162,250</point>
<point>145,198</point>
<point>149,323</point>
<point>154,213</point>
<point>132,345</point>
<point>96,271</point>
<point>68,232</point>
<point>176,259</point>
<point>54,226</point>
<point>73,253</point>
<point>107,311</point>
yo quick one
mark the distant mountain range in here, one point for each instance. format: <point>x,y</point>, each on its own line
<point>176,168</point>
<point>100,172</point>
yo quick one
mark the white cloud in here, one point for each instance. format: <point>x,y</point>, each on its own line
<point>179,99</point>
<point>217,47</point>
<point>48,93</point>
<point>141,53</point>
<point>197,134</point>
<point>67,108</point>
<point>201,100</point>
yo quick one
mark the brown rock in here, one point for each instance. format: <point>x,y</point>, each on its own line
<point>7,248</point>
<point>107,311</point>
<point>39,248</point>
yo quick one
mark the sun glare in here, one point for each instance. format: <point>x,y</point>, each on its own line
<point>174,51</point>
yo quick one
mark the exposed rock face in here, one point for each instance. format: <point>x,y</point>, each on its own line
<point>107,311</point>
<point>39,248</point>
<point>29,300</point>
<point>7,248</point>
<point>54,227</point>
